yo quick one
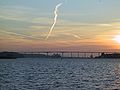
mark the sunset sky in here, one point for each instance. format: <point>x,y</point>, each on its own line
<point>84,25</point>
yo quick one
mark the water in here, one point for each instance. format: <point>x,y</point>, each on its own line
<point>56,74</point>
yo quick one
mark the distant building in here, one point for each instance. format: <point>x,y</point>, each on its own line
<point>113,55</point>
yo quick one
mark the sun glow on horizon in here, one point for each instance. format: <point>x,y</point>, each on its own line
<point>117,38</point>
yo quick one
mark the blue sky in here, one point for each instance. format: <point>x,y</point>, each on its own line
<point>93,10</point>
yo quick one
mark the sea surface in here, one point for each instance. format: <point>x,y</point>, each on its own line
<point>57,74</point>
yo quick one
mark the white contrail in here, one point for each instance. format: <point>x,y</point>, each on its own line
<point>55,20</point>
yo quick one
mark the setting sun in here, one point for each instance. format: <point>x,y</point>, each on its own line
<point>117,38</point>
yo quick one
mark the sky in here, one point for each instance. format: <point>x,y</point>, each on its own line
<point>82,25</point>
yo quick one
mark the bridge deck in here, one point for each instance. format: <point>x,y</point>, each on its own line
<point>71,54</point>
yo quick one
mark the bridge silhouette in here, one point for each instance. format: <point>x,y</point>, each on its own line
<point>70,54</point>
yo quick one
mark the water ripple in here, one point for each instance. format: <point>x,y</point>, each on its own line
<point>56,74</point>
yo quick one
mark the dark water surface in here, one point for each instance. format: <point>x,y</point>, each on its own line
<point>56,74</point>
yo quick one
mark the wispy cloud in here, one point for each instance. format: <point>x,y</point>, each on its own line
<point>73,35</point>
<point>21,35</point>
<point>20,13</point>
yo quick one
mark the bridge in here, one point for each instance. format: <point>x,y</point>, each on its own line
<point>70,54</point>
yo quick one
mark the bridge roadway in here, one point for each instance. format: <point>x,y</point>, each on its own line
<point>70,54</point>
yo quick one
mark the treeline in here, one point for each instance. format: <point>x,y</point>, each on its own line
<point>14,55</point>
